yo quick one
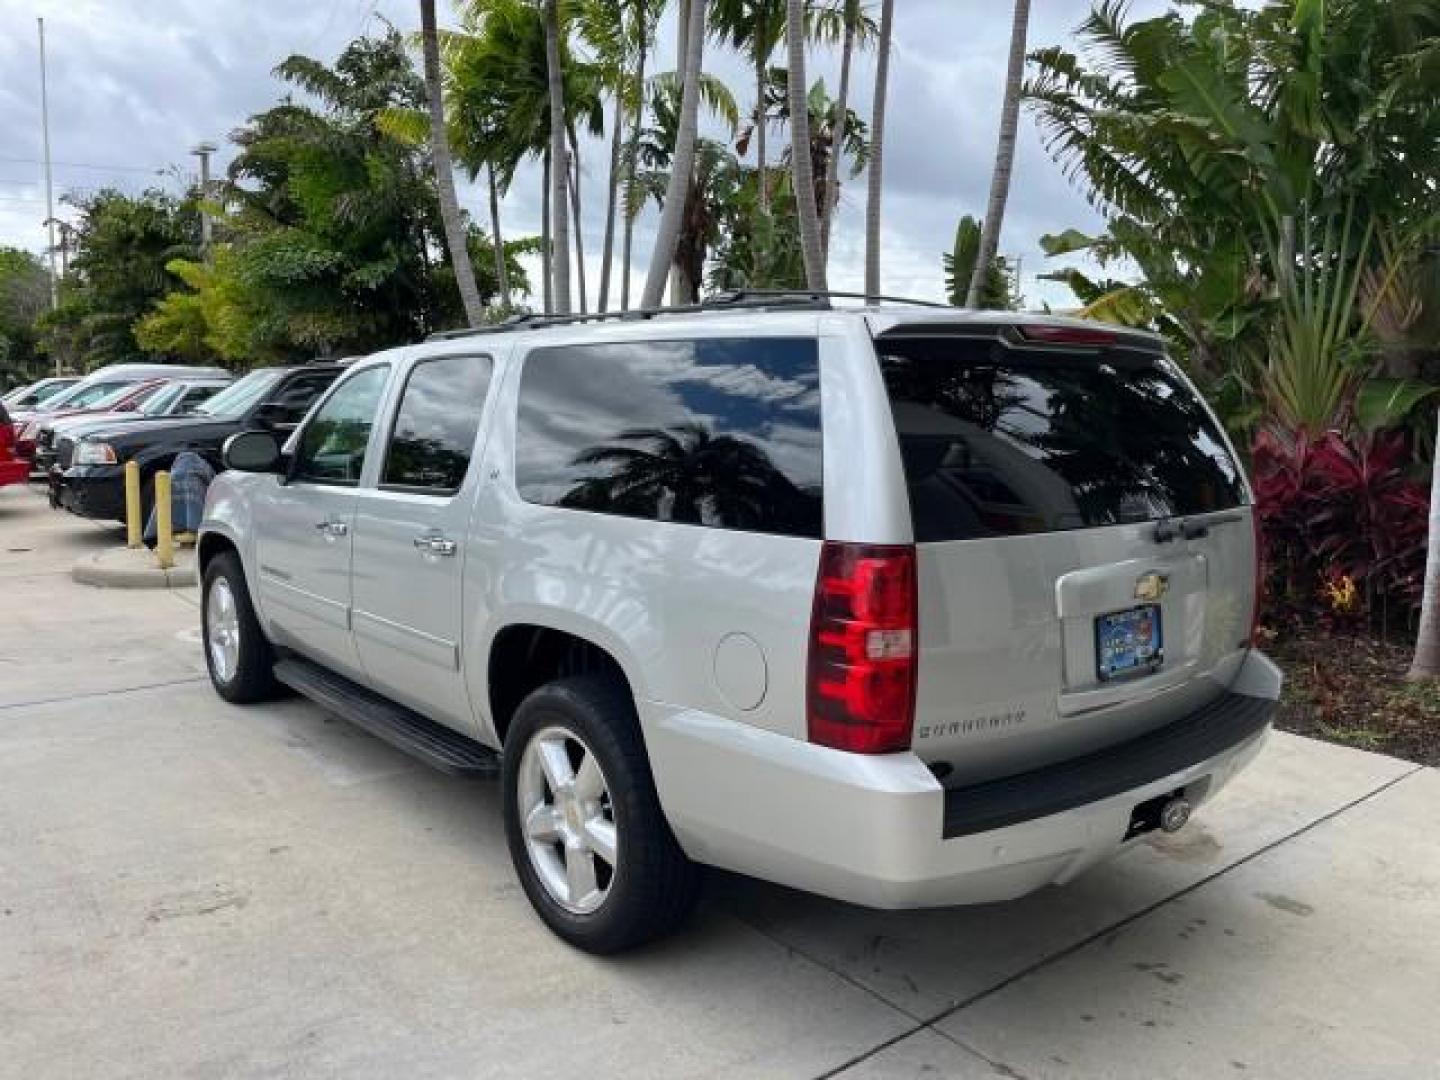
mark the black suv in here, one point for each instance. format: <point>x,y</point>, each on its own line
<point>89,476</point>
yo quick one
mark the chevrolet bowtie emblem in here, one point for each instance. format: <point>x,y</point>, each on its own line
<point>1151,587</point>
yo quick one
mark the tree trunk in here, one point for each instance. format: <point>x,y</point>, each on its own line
<point>877,152</point>
<point>547,247</point>
<point>502,276</point>
<point>1426,663</point>
<point>802,164</point>
<point>760,150</point>
<point>682,164</point>
<point>444,171</point>
<point>559,164</point>
<point>837,135</point>
<point>682,50</point>
<point>612,196</point>
<point>628,246</point>
<point>1004,156</point>
<point>579,227</point>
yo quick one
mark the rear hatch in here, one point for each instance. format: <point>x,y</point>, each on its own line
<point>1084,544</point>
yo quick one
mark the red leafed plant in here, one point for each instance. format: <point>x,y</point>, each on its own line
<point>1336,507</point>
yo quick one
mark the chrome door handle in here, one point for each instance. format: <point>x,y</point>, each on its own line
<point>332,528</point>
<point>436,545</point>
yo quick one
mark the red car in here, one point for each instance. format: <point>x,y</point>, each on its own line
<point>12,469</point>
<point>125,399</point>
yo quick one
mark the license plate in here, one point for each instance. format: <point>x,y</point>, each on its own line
<point>1128,642</point>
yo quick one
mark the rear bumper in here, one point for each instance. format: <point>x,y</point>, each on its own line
<point>881,831</point>
<point>93,491</point>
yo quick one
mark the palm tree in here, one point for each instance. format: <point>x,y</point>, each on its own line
<point>801,163</point>
<point>559,165</point>
<point>444,173</point>
<point>877,152</point>
<point>824,121</point>
<point>709,183</point>
<point>671,216</point>
<point>576,215</point>
<point>645,15</point>
<point>856,25</point>
<point>502,276</point>
<point>753,27</point>
<point>1004,155</point>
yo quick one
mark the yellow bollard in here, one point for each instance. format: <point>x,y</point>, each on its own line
<point>133,524</point>
<point>164,522</point>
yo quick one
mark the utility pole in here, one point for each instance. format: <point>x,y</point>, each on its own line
<point>49,191</point>
<point>203,151</point>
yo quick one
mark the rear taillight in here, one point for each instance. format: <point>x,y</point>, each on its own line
<point>7,440</point>
<point>863,642</point>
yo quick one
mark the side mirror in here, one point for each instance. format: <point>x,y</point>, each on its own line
<point>252,451</point>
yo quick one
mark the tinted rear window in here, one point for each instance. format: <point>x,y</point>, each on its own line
<point>723,433</point>
<point>999,441</point>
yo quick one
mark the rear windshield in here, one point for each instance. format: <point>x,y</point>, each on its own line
<point>998,441</point>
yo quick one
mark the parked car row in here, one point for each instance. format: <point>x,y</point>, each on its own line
<point>80,433</point>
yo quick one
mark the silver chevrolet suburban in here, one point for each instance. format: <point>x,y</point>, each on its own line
<point>901,605</point>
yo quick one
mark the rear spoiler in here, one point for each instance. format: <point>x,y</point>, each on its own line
<point>1032,334</point>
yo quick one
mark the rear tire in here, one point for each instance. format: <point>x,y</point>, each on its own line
<point>578,786</point>
<point>237,654</point>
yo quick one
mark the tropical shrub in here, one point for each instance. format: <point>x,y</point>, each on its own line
<point>1343,525</point>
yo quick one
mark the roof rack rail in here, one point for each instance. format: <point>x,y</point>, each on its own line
<point>820,296</point>
<point>729,299</point>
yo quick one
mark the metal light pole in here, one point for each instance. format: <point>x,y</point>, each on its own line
<point>203,151</point>
<point>49,191</point>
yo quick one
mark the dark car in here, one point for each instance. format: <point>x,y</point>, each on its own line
<point>89,476</point>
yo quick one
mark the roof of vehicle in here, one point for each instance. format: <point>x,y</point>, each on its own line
<point>140,372</point>
<point>752,310</point>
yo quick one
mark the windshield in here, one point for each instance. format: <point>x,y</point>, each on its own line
<point>238,399</point>
<point>998,441</point>
<point>82,396</point>
<point>162,399</point>
<point>121,393</point>
<point>50,390</point>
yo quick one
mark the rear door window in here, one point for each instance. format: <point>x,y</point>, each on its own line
<point>717,432</point>
<point>999,441</point>
<point>436,425</point>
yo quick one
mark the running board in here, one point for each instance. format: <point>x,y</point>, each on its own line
<point>434,744</point>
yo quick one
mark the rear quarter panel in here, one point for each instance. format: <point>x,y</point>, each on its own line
<point>660,597</point>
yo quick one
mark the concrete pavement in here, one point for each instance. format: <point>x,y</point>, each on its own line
<point>192,889</point>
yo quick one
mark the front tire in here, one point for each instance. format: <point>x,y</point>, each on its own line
<point>586,833</point>
<point>236,653</point>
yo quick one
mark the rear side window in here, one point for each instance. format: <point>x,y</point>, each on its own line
<point>724,433</point>
<point>999,441</point>
<point>436,425</point>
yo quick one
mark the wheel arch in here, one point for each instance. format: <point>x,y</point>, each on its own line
<point>532,649</point>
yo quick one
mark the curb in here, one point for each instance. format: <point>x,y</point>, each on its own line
<point>122,568</point>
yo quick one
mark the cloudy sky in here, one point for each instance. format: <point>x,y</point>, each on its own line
<point>135,83</point>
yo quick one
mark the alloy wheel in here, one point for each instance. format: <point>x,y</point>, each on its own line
<point>222,625</point>
<point>568,819</point>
